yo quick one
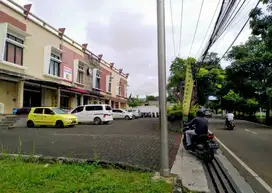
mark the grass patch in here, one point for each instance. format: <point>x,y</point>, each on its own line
<point>22,177</point>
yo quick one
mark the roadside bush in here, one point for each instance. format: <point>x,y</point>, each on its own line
<point>175,112</point>
<point>193,110</point>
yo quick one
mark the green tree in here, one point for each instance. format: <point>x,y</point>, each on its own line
<point>232,101</point>
<point>261,24</point>
<point>209,82</point>
<point>176,79</point>
<point>150,98</point>
<point>209,75</point>
<point>214,105</point>
<point>251,70</point>
<point>134,101</point>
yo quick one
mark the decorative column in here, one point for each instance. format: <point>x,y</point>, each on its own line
<point>20,91</point>
<point>58,97</point>
<point>81,100</point>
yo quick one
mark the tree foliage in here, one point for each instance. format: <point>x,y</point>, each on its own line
<point>261,23</point>
<point>134,101</point>
<point>150,98</point>
<point>208,75</point>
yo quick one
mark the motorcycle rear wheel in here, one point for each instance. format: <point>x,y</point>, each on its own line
<point>208,157</point>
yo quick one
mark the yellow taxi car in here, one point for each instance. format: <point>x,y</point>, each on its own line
<point>50,116</point>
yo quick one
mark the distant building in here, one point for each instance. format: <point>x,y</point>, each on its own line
<point>155,103</point>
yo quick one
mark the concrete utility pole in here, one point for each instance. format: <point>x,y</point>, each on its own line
<point>162,87</point>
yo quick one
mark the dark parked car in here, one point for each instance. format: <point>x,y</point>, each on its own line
<point>23,111</point>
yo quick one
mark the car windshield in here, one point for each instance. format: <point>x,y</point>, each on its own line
<point>58,111</point>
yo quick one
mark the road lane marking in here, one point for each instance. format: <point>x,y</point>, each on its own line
<point>251,131</point>
<point>254,174</point>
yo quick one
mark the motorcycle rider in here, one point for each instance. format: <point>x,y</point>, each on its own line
<point>229,117</point>
<point>201,127</point>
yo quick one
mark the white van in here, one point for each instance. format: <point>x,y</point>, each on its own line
<point>96,113</point>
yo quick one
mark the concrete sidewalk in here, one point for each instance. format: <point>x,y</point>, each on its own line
<point>195,178</point>
<point>190,170</point>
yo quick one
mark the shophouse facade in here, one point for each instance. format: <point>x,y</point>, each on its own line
<point>41,66</point>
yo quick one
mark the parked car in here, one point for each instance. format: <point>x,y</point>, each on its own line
<point>95,113</point>
<point>135,113</point>
<point>121,114</point>
<point>23,111</point>
<point>50,116</point>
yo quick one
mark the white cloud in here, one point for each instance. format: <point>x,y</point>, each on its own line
<point>125,32</point>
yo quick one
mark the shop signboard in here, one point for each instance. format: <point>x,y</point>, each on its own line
<point>67,73</point>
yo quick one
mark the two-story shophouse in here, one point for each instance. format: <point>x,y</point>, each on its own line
<point>41,66</point>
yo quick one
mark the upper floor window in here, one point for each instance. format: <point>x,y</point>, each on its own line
<point>80,73</point>
<point>125,91</point>
<point>118,88</point>
<point>109,86</point>
<point>54,66</point>
<point>14,49</point>
<point>98,79</point>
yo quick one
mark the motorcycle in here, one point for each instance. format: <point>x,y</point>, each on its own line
<point>203,146</point>
<point>230,125</point>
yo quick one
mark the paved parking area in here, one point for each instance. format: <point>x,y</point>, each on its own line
<point>133,142</point>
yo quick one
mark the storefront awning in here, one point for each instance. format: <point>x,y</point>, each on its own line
<point>121,100</point>
<point>79,90</point>
<point>82,91</point>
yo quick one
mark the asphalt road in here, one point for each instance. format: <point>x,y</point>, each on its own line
<point>250,142</point>
<point>131,142</point>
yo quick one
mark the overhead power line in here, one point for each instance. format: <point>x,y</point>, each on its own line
<point>208,27</point>
<point>214,29</point>
<point>238,34</point>
<point>225,16</point>
<point>172,21</point>
<point>224,19</point>
<point>196,27</point>
<point>180,31</point>
<point>234,24</point>
<point>231,20</point>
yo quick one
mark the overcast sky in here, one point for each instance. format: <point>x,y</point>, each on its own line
<point>124,31</point>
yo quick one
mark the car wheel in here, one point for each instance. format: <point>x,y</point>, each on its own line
<point>127,117</point>
<point>97,121</point>
<point>30,124</point>
<point>59,124</point>
<point>133,117</point>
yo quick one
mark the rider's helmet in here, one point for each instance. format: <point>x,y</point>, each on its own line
<point>200,113</point>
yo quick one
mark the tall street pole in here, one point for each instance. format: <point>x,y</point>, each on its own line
<point>162,87</point>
